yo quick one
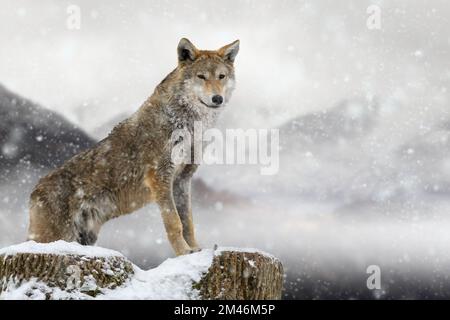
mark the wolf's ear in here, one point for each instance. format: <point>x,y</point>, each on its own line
<point>230,51</point>
<point>186,50</point>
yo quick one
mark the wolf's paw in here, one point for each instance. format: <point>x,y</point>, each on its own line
<point>188,250</point>
<point>195,249</point>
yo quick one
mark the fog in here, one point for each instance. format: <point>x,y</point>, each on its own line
<point>364,176</point>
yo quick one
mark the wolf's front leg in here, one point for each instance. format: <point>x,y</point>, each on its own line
<point>182,195</point>
<point>173,225</point>
<point>161,186</point>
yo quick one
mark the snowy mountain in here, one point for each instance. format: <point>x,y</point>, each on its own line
<point>323,154</point>
<point>344,154</point>
<point>34,137</point>
<point>348,120</point>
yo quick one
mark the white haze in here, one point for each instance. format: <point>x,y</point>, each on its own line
<point>374,195</point>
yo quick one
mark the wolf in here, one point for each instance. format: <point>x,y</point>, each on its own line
<point>133,166</point>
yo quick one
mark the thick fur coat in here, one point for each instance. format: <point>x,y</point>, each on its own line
<point>133,166</point>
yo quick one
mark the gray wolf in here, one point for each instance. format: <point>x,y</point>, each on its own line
<point>132,166</point>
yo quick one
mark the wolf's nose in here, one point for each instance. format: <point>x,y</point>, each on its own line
<point>217,99</point>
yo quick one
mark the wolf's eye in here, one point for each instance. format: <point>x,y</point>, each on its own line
<point>200,76</point>
<point>222,76</point>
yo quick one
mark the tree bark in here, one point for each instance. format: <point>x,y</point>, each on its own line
<point>236,275</point>
<point>68,272</point>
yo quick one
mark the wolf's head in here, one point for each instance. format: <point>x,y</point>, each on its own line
<point>207,76</point>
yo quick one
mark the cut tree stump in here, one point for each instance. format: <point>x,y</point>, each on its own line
<point>232,274</point>
<point>68,272</point>
<point>236,275</point>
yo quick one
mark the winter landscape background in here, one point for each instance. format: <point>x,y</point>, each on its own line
<point>364,121</point>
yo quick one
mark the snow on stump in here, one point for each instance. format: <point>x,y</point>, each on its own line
<point>67,266</point>
<point>242,275</point>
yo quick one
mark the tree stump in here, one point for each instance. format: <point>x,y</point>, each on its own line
<point>236,275</point>
<point>69,273</point>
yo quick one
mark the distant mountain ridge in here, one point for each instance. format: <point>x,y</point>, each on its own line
<point>31,135</point>
<point>349,119</point>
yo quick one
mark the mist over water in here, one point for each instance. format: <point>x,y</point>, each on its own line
<point>363,114</point>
